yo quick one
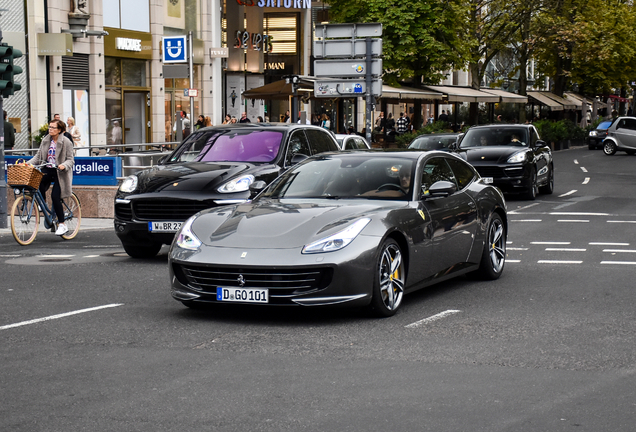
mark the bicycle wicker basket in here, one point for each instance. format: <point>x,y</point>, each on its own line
<point>24,175</point>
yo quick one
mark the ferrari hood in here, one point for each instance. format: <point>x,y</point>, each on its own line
<point>277,224</point>
<point>494,154</point>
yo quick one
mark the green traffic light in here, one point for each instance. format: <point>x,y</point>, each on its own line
<point>8,70</point>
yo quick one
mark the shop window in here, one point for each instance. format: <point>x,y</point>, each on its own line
<point>182,15</point>
<point>134,72</point>
<point>127,14</point>
<point>112,68</point>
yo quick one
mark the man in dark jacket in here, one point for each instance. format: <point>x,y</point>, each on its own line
<point>9,134</point>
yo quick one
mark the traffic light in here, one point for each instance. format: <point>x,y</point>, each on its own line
<point>8,70</point>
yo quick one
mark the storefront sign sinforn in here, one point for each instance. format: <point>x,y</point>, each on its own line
<point>287,4</point>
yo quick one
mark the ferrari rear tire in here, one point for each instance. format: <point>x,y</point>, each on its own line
<point>390,276</point>
<point>493,257</point>
<point>609,148</point>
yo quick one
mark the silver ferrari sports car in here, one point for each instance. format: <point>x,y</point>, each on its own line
<point>352,229</point>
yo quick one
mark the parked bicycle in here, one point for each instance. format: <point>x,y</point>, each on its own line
<point>29,203</point>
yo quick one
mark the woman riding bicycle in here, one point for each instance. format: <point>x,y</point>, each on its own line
<point>57,152</point>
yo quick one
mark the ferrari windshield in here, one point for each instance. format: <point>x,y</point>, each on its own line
<point>229,146</point>
<point>346,176</point>
<point>495,136</point>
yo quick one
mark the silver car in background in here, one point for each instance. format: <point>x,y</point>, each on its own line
<point>352,142</point>
<point>621,136</point>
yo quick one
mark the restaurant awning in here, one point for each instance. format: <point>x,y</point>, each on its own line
<point>542,99</point>
<point>389,92</point>
<point>463,94</point>
<point>507,96</point>
<point>567,104</point>
<point>280,89</point>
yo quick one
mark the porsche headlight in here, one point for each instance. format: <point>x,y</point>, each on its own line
<point>186,238</point>
<point>517,157</point>
<point>239,184</point>
<point>338,240</point>
<point>129,184</point>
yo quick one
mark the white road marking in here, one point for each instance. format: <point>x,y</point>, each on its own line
<point>576,161</point>
<point>91,256</point>
<point>549,243</point>
<point>583,169</point>
<point>55,256</point>
<point>619,250</point>
<point>608,244</point>
<point>565,250</point>
<point>568,193</point>
<point>615,221</point>
<point>102,246</point>
<point>572,220</point>
<point>558,262</point>
<point>432,318</point>
<point>525,220</point>
<point>619,262</point>
<point>516,248</point>
<point>586,181</point>
<point>513,261</point>
<point>9,256</point>
<point>577,214</point>
<point>23,323</point>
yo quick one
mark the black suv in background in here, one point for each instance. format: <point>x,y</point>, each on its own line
<point>214,166</point>
<point>512,157</point>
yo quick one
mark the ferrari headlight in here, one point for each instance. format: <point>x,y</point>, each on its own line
<point>129,184</point>
<point>338,240</point>
<point>517,157</point>
<point>239,184</point>
<point>186,238</point>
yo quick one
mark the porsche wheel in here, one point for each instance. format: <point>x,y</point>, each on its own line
<point>548,188</point>
<point>388,288</point>
<point>493,257</point>
<point>531,193</point>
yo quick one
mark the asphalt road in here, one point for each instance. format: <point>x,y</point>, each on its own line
<point>92,340</point>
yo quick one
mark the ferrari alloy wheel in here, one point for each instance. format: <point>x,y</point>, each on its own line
<point>388,290</point>
<point>494,255</point>
<point>609,148</point>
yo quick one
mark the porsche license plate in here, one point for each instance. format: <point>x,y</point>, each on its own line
<point>242,295</point>
<point>487,180</point>
<point>164,227</point>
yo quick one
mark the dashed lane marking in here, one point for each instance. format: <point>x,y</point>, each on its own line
<point>432,318</point>
<point>619,262</point>
<point>607,244</point>
<point>619,250</point>
<point>568,193</point>
<point>52,317</point>
<point>565,250</point>
<point>617,221</point>
<point>558,262</point>
<point>583,169</point>
<point>586,181</point>
<point>573,220</point>
<point>549,243</point>
<point>525,220</point>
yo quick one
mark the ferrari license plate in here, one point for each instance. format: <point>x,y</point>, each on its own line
<point>242,295</point>
<point>164,227</point>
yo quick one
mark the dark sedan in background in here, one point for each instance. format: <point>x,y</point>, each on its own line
<point>213,167</point>
<point>511,157</point>
<point>349,229</point>
<point>441,141</point>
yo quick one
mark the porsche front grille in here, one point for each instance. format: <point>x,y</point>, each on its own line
<point>173,210</point>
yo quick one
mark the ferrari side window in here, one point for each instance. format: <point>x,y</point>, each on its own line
<point>435,170</point>
<point>463,173</point>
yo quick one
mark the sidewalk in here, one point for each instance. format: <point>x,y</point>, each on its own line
<point>87,224</point>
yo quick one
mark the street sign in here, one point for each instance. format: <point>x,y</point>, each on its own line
<point>360,30</point>
<point>175,71</point>
<point>346,88</point>
<point>346,48</point>
<point>346,68</point>
<point>174,49</point>
<point>191,92</point>
<point>219,52</point>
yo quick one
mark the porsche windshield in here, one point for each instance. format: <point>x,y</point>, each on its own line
<point>336,177</point>
<point>229,146</point>
<point>496,136</point>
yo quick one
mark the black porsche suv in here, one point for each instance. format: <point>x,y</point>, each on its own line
<point>214,166</point>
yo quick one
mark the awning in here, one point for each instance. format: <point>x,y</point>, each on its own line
<point>540,98</point>
<point>507,96</point>
<point>463,94</point>
<point>567,104</point>
<point>389,92</point>
<point>280,89</point>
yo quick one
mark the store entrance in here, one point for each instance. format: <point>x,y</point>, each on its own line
<point>136,115</point>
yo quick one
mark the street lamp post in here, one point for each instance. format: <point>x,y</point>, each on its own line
<point>294,80</point>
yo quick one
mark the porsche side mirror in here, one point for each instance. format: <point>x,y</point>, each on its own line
<point>441,189</point>
<point>541,143</point>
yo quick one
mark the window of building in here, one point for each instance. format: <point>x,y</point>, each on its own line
<point>128,14</point>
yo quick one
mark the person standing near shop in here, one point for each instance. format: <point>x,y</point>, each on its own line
<point>401,124</point>
<point>56,150</point>
<point>244,118</point>
<point>9,134</point>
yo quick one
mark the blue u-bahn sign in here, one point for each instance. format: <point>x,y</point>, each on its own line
<point>174,49</point>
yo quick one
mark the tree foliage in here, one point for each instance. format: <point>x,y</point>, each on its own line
<point>421,39</point>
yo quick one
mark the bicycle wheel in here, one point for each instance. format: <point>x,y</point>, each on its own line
<point>72,216</point>
<point>25,220</point>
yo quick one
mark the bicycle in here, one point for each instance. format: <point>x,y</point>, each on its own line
<point>25,213</point>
